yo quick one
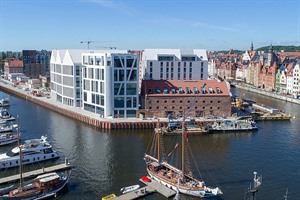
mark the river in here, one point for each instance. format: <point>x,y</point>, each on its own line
<point>106,160</point>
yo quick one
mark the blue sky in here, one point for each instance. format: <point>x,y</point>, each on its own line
<point>139,24</point>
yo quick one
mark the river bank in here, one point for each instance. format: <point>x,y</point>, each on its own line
<point>85,116</point>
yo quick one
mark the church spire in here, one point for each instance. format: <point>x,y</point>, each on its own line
<point>271,48</point>
<point>251,48</point>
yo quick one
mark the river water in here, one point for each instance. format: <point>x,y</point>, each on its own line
<point>106,160</point>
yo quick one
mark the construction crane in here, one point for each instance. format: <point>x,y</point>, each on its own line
<point>107,47</point>
<point>90,41</point>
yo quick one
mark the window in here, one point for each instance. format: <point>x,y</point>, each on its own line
<point>173,90</point>
<point>150,91</point>
<point>188,90</point>
<point>195,90</point>
<point>180,90</point>
<point>151,64</point>
<point>166,90</point>
<point>157,90</point>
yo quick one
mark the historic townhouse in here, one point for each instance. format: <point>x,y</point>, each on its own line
<point>296,84</point>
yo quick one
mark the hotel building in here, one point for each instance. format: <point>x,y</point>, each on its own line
<point>174,64</point>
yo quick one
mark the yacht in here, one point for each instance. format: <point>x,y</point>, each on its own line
<point>4,102</point>
<point>4,114</point>
<point>34,150</point>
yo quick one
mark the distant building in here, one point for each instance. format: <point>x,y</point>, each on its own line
<point>201,98</point>
<point>36,63</point>
<point>110,83</point>
<point>13,66</point>
<point>174,64</point>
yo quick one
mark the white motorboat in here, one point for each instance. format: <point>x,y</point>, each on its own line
<point>4,114</point>
<point>129,188</point>
<point>34,150</point>
<point>4,102</point>
<point>8,138</point>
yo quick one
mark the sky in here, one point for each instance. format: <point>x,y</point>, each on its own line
<point>142,24</point>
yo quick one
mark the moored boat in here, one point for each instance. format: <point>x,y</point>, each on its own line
<point>174,128</point>
<point>174,178</point>
<point>4,102</point>
<point>129,188</point>
<point>242,123</point>
<point>8,138</point>
<point>34,150</point>
<point>42,187</point>
<point>4,114</point>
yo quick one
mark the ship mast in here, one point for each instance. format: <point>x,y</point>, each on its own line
<point>20,153</point>
<point>182,147</point>
<point>158,141</point>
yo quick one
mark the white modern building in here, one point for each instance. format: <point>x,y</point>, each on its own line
<point>65,76</point>
<point>110,83</point>
<point>174,64</point>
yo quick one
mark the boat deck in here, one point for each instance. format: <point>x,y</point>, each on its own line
<point>36,172</point>
<point>151,187</point>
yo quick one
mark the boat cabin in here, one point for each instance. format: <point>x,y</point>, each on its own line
<point>48,181</point>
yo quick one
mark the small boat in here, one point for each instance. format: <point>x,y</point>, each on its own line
<point>146,179</point>
<point>8,138</point>
<point>4,114</point>
<point>43,186</point>
<point>174,128</point>
<point>4,102</point>
<point>109,197</point>
<point>129,188</point>
<point>242,123</point>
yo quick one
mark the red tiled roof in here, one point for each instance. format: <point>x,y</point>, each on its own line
<point>153,85</point>
<point>15,63</point>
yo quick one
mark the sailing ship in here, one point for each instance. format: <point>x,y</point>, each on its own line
<point>43,186</point>
<point>175,178</point>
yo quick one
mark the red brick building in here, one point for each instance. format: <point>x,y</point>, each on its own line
<point>201,98</point>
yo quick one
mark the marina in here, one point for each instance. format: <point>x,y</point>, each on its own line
<point>223,151</point>
<point>151,187</point>
<point>34,173</point>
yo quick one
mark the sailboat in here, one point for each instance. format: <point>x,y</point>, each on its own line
<point>175,178</point>
<point>41,187</point>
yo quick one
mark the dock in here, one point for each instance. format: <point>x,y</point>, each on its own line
<point>37,172</point>
<point>151,187</point>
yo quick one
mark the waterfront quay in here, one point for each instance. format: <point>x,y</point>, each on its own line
<point>263,92</point>
<point>88,117</point>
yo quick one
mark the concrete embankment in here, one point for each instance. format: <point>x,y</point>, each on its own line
<point>88,117</point>
<point>270,94</point>
<point>81,115</point>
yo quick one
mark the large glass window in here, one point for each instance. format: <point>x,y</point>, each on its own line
<point>131,89</point>
<point>119,102</point>
<point>129,62</point>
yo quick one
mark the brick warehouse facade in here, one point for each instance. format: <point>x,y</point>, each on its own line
<point>202,98</point>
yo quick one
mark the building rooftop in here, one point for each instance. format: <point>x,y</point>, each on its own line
<point>151,54</point>
<point>180,87</point>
